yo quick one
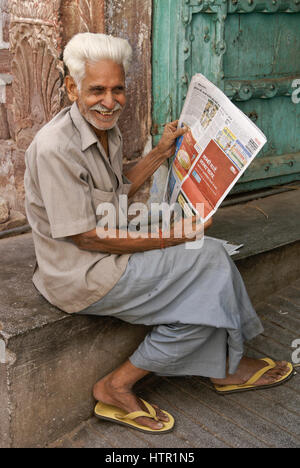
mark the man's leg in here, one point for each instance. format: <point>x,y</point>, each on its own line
<point>178,349</point>
<point>116,389</point>
<point>248,367</point>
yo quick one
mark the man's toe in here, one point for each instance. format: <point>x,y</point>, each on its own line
<point>159,413</point>
<point>147,422</point>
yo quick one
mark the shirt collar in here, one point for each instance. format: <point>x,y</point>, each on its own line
<point>88,136</point>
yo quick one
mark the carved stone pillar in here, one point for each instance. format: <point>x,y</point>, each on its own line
<point>37,71</point>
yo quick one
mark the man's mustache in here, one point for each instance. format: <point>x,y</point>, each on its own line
<point>100,108</point>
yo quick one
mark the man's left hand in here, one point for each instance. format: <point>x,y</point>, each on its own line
<point>167,144</point>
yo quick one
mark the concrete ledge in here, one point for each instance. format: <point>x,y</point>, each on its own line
<point>267,272</point>
<point>261,225</point>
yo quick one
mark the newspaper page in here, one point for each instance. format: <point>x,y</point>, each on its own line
<point>210,158</point>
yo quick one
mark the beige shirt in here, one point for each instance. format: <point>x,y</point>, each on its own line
<point>67,176</point>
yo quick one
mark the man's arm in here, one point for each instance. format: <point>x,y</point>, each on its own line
<point>150,163</point>
<point>117,244</point>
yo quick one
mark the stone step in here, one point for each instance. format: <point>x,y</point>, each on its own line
<point>49,360</point>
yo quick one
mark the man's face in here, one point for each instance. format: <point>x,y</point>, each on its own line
<point>101,98</point>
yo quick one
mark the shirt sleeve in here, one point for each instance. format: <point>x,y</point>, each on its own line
<point>65,192</point>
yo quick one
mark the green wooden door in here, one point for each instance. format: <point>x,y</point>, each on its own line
<point>251,50</point>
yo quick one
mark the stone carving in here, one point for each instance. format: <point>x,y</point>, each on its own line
<point>36,67</point>
<point>79,16</point>
<point>85,10</point>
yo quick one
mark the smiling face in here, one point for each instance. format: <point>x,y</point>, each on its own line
<point>101,97</point>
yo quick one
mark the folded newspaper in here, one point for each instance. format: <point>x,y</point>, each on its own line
<point>231,249</point>
<point>217,149</point>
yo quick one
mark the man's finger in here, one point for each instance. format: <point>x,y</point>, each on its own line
<point>172,125</point>
<point>180,132</point>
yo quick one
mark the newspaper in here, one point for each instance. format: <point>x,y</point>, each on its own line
<point>217,149</point>
<point>231,249</point>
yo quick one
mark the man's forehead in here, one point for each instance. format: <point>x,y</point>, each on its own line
<point>105,70</point>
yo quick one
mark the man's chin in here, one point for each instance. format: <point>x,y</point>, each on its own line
<point>102,126</point>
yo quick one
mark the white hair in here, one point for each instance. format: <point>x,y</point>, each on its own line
<point>91,48</point>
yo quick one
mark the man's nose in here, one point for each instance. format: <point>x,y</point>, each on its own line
<point>108,101</point>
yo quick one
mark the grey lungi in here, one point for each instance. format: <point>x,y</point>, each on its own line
<point>197,303</point>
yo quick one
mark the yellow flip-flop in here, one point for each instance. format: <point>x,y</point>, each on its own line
<point>117,415</point>
<point>250,385</point>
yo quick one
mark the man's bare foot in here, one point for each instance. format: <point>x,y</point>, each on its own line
<point>111,393</point>
<point>248,367</point>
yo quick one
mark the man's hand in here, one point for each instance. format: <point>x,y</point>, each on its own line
<point>191,228</point>
<point>167,144</point>
<point>147,166</point>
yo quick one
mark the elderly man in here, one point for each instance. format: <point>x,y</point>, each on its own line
<point>195,300</point>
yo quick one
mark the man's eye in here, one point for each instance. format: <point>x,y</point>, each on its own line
<point>96,90</point>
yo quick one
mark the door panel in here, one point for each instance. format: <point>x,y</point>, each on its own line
<point>261,45</point>
<point>248,48</point>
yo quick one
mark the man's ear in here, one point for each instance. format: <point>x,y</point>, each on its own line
<point>71,88</point>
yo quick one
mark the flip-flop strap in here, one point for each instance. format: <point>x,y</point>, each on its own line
<point>261,372</point>
<point>138,414</point>
<point>150,408</point>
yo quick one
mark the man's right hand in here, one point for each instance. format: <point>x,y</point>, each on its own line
<point>188,230</point>
<point>167,144</point>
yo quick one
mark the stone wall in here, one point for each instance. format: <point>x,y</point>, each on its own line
<point>5,70</point>
<point>31,74</point>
